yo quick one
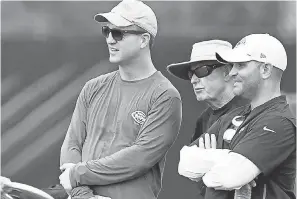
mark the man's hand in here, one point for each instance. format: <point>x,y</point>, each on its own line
<point>66,166</point>
<point>209,142</point>
<point>65,180</point>
<point>64,177</point>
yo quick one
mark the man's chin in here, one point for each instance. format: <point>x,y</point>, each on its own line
<point>200,98</point>
<point>237,91</point>
<point>114,60</point>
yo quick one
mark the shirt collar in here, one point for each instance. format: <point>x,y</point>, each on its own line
<point>275,101</point>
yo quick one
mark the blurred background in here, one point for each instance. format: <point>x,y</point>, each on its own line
<point>50,49</point>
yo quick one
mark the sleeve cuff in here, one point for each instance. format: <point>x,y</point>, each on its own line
<point>76,174</point>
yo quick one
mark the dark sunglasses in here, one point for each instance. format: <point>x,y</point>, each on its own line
<point>203,71</point>
<point>118,34</point>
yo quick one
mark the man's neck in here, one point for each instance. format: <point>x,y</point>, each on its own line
<point>259,100</point>
<point>137,69</point>
<point>224,98</point>
<point>264,95</point>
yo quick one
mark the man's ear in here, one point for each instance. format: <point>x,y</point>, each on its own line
<point>145,40</point>
<point>266,70</point>
<point>226,70</point>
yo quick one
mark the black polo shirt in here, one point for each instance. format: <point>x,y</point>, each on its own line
<point>210,116</point>
<point>208,119</point>
<point>267,137</point>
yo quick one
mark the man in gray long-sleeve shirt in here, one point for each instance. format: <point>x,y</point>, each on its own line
<point>125,121</point>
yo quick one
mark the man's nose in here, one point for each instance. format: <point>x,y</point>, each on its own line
<point>110,39</point>
<point>195,79</point>
<point>233,71</point>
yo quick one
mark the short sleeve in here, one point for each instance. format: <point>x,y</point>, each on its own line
<point>268,143</point>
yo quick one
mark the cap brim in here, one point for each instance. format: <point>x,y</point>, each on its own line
<point>233,56</point>
<point>180,70</point>
<point>113,18</point>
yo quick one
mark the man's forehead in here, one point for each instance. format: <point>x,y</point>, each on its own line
<point>112,26</point>
<point>206,63</point>
<point>197,65</point>
<point>246,63</point>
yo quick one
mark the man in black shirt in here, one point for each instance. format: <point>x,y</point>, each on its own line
<point>211,84</point>
<point>210,80</point>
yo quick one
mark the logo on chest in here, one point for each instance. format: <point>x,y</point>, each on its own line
<point>230,132</point>
<point>139,117</point>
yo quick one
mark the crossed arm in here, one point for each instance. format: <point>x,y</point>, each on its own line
<point>260,151</point>
<point>219,168</point>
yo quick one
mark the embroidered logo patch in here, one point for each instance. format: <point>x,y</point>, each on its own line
<point>229,134</point>
<point>139,117</point>
<point>262,55</point>
<point>267,129</point>
<point>237,120</point>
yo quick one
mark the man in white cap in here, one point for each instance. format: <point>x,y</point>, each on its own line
<point>211,84</point>
<point>125,121</point>
<point>261,139</point>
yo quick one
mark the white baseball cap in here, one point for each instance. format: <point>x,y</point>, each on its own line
<point>202,53</point>
<point>256,47</point>
<point>131,12</point>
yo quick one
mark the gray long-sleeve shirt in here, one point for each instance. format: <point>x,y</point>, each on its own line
<point>120,133</point>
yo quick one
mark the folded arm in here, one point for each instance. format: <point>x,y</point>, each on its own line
<point>155,138</point>
<point>196,161</point>
<point>225,174</point>
<point>267,144</point>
